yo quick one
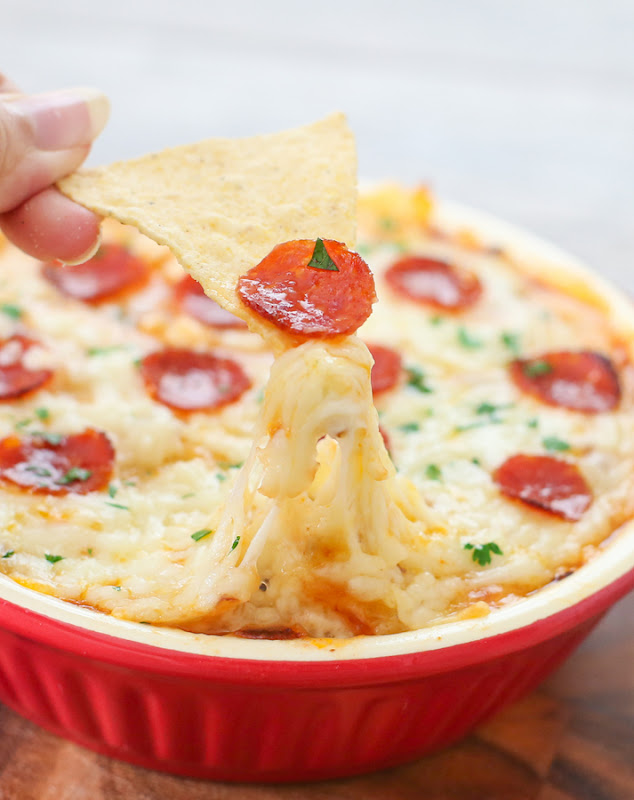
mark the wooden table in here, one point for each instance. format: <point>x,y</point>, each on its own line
<point>573,739</point>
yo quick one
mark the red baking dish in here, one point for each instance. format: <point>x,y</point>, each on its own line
<point>252,710</point>
<point>228,708</point>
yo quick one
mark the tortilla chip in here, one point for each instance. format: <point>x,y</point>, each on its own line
<point>222,205</point>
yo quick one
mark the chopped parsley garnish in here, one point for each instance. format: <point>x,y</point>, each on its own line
<point>51,438</point>
<point>554,444</point>
<point>221,476</point>
<point>536,368</point>
<point>41,472</point>
<point>433,472</point>
<point>409,427</point>
<point>511,341</point>
<point>104,351</point>
<point>320,258</point>
<point>188,495</point>
<point>42,413</point>
<point>490,408</point>
<point>23,423</point>
<point>480,424</point>
<point>117,588</point>
<point>53,559</point>
<point>235,543</point>
<point>89,551</point>
<point>482,552</point>
<point>387,223</point>
<point>437,320</point>
<point>416,379</point>
<point>201,534</point>
<point>476,461</point>
<point>227,465</point>
<point>75,474</point>
<point>533,422</point>
<point>467,340</point>
<point>11,310</point>
<point>8,554</point>
<point>118,505</point>
<point>112,490</point>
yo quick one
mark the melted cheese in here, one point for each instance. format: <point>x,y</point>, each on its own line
<point>319,530</point>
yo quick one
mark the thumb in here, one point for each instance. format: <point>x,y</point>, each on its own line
<point>44,137</point>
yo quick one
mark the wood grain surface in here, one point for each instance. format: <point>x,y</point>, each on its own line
<point>573,739</point>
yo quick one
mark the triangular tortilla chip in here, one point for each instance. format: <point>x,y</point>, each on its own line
<point>221,205</point>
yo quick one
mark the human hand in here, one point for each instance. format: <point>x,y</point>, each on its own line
<point>42,138</point>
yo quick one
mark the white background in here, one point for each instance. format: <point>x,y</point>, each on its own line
<point>522,108</point>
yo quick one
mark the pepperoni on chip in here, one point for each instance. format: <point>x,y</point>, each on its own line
<point>581,381</point>
<point>17,380</point>
<point>386,370</point>
<point>546,483</point>
<point>112,270</point>
<point>191,381</point>
<point>433,282</point>
<point>51,463</point>
<point>191,297</point>
<point>314,289</point>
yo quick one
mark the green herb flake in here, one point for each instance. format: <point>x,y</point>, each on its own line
<point>75,474</point>
<point>511,341</point>
<point>482,552</point>
<point>112,490</point>
<point>320,258</point>
<point>118,505</point>
<point>104,351</point>
<point>555,444</point>
<point>467,340</point>
<point>416,379</point>
<point>50,438</point>
<point>533,422</point>
<point>409,427</point>
<point>433,472</point>
<point>235,543</point>
<point>42,414</point>
<point>41,472</point>
<point>476,461</point>
<point>201,534</point>
<point>480,424</point>
<point>11,310</point>
<point>437,320</point>
<point>89,551</point>
<point>221,476</point>
<point>8,554</point>
<point>117,588</point>
<point>53,559</point>
<point>534,369</point>
<point>188,495</point>
<point>23,423</point>
<point>491,408</point>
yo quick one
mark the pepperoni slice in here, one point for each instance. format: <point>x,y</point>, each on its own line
<point>112,270</point>
<point>50,463</point>
<point>583,381</point>
<point>17,380</point>
<point>307,300</point>
<point>386,370</point>
<point>433,282</point>
<point>192,299</point>
<point>547,483</point>
<point>191,381</point>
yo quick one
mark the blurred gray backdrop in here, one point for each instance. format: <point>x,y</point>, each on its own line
<point>524,109</point>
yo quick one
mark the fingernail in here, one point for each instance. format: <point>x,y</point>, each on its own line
<point>92,251</point>
<point>64,119</point>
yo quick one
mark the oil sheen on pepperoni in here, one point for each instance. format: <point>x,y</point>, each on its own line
<point>193,300</point>
<point>17,380</point>
<point>113,270</point>
<point>547,483</point>
<point>55,464</point>
<point>433,282</point>
<point>190,381</point>
<point>386,370</point>
<point>580,381</point>
<point>308,301</point>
